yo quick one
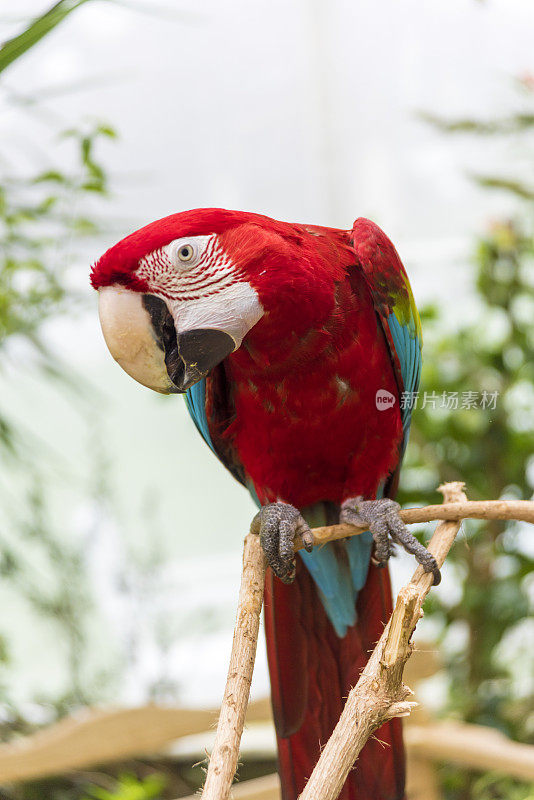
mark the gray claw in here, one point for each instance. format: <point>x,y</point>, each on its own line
<point>277,525</point>
<point>383,520</point>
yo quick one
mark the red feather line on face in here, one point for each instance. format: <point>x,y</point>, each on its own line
<point>212,274</point>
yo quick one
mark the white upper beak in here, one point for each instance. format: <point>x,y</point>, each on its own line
<point>130,337</point>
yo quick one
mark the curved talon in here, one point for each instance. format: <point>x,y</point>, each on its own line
<point>277,525</point>
<point>383,520</point>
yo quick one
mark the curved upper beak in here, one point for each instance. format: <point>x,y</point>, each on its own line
<point>141,336</point>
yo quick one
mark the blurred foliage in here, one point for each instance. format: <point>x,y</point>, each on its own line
<point>492,450</point>
<point>496,787</point>
<point>489,786</point>
<point>518,125</point>
<point>38,228</point>
<point>475,422</point>
<point>157,778</point>
<point>60,595</point>
<point>44,216</point>
<point>128,787</point>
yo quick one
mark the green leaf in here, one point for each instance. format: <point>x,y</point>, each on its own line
<point>107,130</point>
<point>508,184</point>
<point>507,125</point>
<point>51,176</point>
<point>130,788</point>
<point>16,47</point>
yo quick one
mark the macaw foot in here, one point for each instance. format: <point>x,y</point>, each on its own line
<point>382,518</point>
<point>277,525</point>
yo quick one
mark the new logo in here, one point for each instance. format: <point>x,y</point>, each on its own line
<point>384,400</point>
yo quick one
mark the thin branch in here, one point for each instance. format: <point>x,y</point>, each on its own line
<point>223,760</point>
<point>520,510</point>
<point>380,694</point>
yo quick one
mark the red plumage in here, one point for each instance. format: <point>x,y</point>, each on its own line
<point>305,428</point>
<point>305,377</point>
<point>293,412</point>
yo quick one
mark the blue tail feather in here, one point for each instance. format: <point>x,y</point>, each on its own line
<point>334,583</point>
<point>359,550</point>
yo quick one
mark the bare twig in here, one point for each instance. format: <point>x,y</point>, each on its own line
<point>223,761</point>
<point>521,510</point>
<point>380,694</point>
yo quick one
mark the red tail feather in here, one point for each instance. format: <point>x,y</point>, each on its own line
<point>312,671</point>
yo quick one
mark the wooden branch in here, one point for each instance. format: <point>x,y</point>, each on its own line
<point>475,747</point>
<point>521,510</point>
<point>387,660</point>
<point>96,736</point>
<point>223,760</point>
<point>380,694</point>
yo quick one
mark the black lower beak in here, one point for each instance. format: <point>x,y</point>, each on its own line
<point>190,355</point>
<point>200,351</point>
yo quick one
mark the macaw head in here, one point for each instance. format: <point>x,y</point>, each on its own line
<point>179,295</point>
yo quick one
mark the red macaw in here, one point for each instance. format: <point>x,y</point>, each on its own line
<point>293,344</point>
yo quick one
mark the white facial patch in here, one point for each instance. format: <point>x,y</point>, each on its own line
<point>202,287</point>
<point>234,310</point>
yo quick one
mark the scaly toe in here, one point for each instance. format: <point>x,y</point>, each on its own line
<point>277,525</point>
<point>383,520</point>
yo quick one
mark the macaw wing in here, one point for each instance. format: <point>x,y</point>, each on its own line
<point>392,297</point>
<point>395,306</point>
<point>209,406</point>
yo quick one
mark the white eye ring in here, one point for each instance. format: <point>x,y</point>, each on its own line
<point>185,253</point>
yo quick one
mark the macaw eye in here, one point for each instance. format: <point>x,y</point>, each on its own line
<point>186,252</point>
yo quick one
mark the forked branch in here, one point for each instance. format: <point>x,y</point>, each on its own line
<point>379,694</point>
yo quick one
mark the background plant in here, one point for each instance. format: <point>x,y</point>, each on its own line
<point>128,787</point>
<point>486,623</point>
<point>45,216</point>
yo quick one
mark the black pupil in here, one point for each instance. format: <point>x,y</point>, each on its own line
<point>185,252</point>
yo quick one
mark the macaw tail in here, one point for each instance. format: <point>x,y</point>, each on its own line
<point>312,670</point>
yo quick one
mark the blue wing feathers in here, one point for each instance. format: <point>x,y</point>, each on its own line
<point>408,348</point>
<point>326,574</point>
<point>402,330</point>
